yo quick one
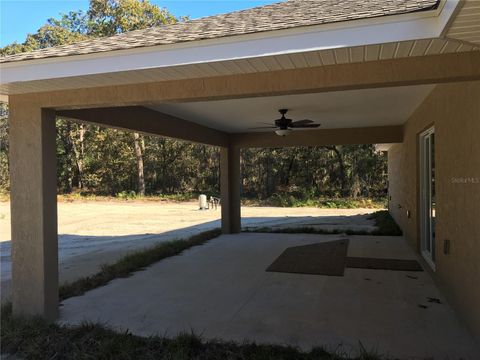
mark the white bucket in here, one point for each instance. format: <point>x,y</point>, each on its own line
<point>202,202</point>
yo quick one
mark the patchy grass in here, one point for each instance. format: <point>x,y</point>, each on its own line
<point>35,338</point>
<point>120,197</point>
<point>134,262</point>
<point>4,196</point>
<point>307,230</point>
<point>386,226</point>
<point>126,196</point>
<point>276,200</point>
<point>179,197</point>
<point>385,223</point>
<point>288,200</point>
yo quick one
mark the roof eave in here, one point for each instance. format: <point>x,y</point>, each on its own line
<point>411,26</point>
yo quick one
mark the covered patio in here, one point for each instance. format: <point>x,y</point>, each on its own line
<point>221,290</point>
<point>361,77</point>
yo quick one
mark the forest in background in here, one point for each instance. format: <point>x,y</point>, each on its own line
<point>97,161</point>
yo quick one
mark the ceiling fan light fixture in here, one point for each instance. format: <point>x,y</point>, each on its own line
<point>284,126</point>
<point>283,132</point>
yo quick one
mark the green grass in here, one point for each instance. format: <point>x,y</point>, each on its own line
<point>311,230</point>
<point>35,338</point>
<point>288,200</point>
<point>134,262</point>
<point>304,230</point>
<point>131,195</point>
<point>276,200</point>
<point>386,226</point>
<point>385,223</point>
<point>126,196</point>
<point>4,196</point>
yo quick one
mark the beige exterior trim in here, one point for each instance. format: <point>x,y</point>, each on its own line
<point>140,119</point>
<point>368,135</point>
<point>374,74</point>
<point>148,121</point>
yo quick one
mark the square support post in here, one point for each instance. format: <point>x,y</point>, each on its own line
<point>230,189</point>
<point>33,192</point>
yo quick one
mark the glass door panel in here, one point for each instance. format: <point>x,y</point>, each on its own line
<point>427,195</point>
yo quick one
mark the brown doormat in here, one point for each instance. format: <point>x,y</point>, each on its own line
<point>383,264</point>
<point>326,258</point>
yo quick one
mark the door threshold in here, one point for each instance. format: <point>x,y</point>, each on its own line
<point>428,259</point>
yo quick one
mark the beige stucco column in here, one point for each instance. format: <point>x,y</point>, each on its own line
<point>33,176</point>
<point>230,189</point>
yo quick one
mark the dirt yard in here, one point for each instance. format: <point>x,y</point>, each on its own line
<point>96,232</point>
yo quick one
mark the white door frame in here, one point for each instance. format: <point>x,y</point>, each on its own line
<point>427,218</point>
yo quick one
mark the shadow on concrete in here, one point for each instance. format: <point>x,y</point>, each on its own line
<point>83,255</point>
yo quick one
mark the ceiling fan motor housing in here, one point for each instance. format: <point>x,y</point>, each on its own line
<point>283,123</point>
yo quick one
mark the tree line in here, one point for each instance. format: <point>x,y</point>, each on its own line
<point>102,161</point>
<point>96,160</point>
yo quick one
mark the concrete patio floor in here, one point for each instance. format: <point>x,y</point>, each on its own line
<point>221,290</point>
<point>100,232</point>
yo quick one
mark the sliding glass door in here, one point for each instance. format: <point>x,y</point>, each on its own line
<point>427,195</point>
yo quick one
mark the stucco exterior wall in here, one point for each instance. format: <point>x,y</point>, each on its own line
<point>454,110</point>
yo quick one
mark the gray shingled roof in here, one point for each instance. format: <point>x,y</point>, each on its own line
<point>283,15</point>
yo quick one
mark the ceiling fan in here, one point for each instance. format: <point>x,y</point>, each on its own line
<point>284,126</point>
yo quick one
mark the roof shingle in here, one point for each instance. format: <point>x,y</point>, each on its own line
<point>278,16</point>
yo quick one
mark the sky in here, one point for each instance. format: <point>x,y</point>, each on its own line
<point>21,17</point>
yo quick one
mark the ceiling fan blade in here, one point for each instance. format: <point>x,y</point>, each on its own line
<point>262,127</point>
<point>264,123</point>
<point>304,126</point>
<point>302,122</point>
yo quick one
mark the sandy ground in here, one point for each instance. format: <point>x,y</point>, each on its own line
<point>95,233</point>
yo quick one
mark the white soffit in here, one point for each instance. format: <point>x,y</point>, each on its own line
<point>406,27</point>
<point>355,54</point>
<point>340,109</point>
